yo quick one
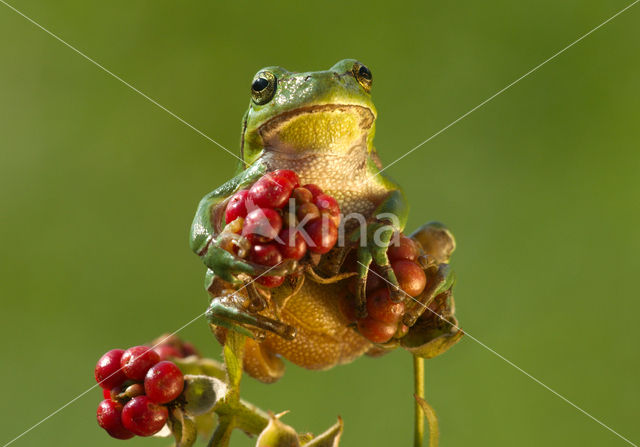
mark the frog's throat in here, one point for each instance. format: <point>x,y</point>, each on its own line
<point>330,128</point>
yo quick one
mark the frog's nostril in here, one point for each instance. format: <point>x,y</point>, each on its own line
<point>306,78</point>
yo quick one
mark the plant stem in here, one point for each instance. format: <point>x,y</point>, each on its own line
<point>418,386</point>
<point>230,410</point>
<point>222,434</point>
<point>423,409</point>
<point>233,352</point>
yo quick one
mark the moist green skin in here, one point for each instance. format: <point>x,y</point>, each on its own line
<point>347,170</point>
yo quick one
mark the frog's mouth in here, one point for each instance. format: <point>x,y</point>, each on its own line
<point>330,127</point>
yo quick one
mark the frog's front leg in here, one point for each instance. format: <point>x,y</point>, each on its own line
<point>206,227</point>
<point>389,219</point>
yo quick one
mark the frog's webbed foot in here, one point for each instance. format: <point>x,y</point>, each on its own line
<point>373,249</point>
<point>233,311</point>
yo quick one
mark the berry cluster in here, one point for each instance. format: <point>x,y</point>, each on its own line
<point>383,315</point>
<point>282,220</point>
<point>137,386</point>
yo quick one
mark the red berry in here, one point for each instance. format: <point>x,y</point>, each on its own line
<point>411,277</point>
<point>143,417</point>
<point>291,176</point>
<point>323,234</point>
<point>329,205</point>
<point>106,393</point>
<point>262,225</point>
<point>376,331</point>
<point>291,244</point>
<point>307,211</point>
<point>265,254</point>
<point>270,281</point>
<point>108,373</point>
<point>167,351</point>
<point>315,189</point>
<point>164,382</point>
<point>381,308</point>
<point>374,282</point>
<point>109,417</point>
<point>237,206</point>
<point>406,249</point>
<point>271,191</point>
<point>302,195</point>
<point>136,361</point>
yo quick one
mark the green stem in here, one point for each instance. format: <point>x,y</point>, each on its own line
<point>233,358</point>
<point>249,418</point>
<point>423,409</point>
<point>418,386</point>
<point>230,410</point>
<point>222,434</point>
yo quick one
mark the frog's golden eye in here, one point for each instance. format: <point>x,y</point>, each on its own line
<point>363,75</point>
<point>263,87</point>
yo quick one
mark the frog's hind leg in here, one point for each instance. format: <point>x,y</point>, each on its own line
<point>375,252</point>
<point>437,243</point>
<point>231,311</point>
<point>258,361</point>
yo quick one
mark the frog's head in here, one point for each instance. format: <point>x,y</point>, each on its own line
<point>298,114</point>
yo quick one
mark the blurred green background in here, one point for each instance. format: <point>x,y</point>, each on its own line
<point>98,187</point>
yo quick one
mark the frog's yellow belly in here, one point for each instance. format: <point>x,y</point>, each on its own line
<point>323,338</point>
